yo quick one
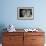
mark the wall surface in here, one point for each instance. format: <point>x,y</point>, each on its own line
<point>9,13</point>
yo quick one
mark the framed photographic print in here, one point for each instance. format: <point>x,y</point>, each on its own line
<point>25,13</point>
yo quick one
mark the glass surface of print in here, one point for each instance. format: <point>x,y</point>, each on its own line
<point>25,13</point>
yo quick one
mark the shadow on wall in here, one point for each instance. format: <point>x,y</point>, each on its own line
<point>2,26</point>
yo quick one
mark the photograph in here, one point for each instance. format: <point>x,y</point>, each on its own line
<point>25,13</point>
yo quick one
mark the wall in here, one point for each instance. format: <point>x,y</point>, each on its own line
<point>9,13</point>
